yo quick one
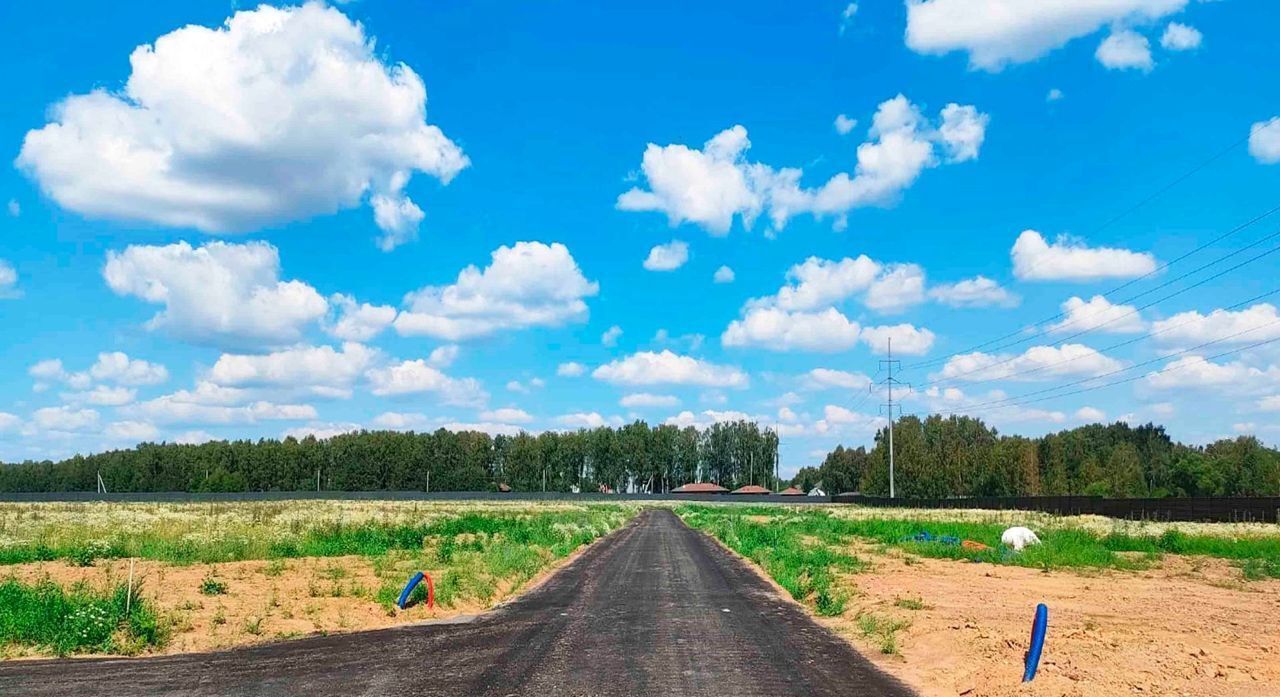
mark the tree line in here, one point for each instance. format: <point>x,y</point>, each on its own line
<point>946,456</point>
<point>635,457</point>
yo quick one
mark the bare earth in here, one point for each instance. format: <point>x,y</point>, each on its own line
<point>1191,627</point>
<point>263,602</point>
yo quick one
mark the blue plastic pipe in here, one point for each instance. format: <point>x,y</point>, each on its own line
<point>1038,628</point>
<point>404,594</point>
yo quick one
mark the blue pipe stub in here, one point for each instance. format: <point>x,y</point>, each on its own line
<point>1039,627</point>
<point>404,594</point>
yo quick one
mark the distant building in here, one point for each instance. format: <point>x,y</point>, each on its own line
<point>751,489</point>
<point>791,491</point>
<point>700,488</point>
<point>815,491</point>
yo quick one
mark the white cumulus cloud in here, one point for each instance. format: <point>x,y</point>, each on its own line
<point>1036,363</point>
<point>1180,37</point>
<point>1257,323</point>
<point>355,321</point>
<point>641,400</point>
<point>667,257</point>
<point>1068,259</point>
<point>8,281</point>
<point>1125,49</point>
<point>978,291</point>
<point>220,294</point>
<point>571,369</point>
<point>997,33</point>
<point>280,114</point>
<point>780,330</point>
<point>528,284</point>
<point>668,367</point>
<point>713,185</point>
<point>724,274</point>
<point>417,377</point>
<point>1100,315</point>
<point>1264,141</point>
<point>908,339</point>
<point>322,369</point>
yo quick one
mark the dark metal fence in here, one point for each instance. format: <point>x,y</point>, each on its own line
<point>1254,509</point>
<point>1206,509</point>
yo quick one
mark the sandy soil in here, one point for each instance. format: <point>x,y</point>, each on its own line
<point>1191,627</point>
<point>264,600</point>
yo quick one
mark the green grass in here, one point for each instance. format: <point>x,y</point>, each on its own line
<point>61,621</point>
<point>882,630</point>
<point>212,586</point>
<point>560,531</point>
<point>791,550</point>
<point>1061,546</point>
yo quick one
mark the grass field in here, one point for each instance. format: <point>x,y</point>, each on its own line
<point>804,548</point>
<point>237,573</point>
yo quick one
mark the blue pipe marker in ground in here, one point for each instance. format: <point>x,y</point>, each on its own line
<point>413,583</point>
<point>1038,628</point>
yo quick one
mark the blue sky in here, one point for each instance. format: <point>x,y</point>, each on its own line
<point>261,225</point>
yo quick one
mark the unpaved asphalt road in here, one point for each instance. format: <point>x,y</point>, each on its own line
<point>653,609</point>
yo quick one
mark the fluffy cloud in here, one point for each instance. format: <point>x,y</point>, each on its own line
<point>844,125</point>
<point>416,376</point>
<point>507,415</point>
<point>1192,372</point>
<point>610,336</point>
<point>571,369</point>
<point>898,287</point>
<point>1098,314</point>
<point>817,283</point>
<point>1264,141</point>
<point>443,356</point>
<point>1036,363</point>
<point>583,420</point>
<point>710,186</point>
<point>221,294</point>
<point>51,370</point>
<point>1257,323</point>
<point>211,404</point>
<point>724,274</point>
<point>667,367</point>
<point>1125,49</point>
<point>1091,414</point>
<point>8,281</point>
<point>1180,37</point>
<point>641,400</point>
<point>131,431</point>
<point>354,321</point>
<point>103,396</point>
<point>779,330</point>
<point>1068,259</point>
<point>9,422</point>
<point>996,33</point>
<point>118,367</point>
<point>400,421</point>
<point>978,291</point>
<point>687,418</point>
<point>65,419</point>
<point>527,284</point>
<point>908,340</point>
<point>826,378</point>
<point>321,369</point>
<point>293,115</point>
<point>1271,403</point>
<point>321,430</point>
<point>667,257</point>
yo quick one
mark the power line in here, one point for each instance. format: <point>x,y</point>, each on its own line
<point>1242,226</point>
<point>1132,312</point>
<point>1018,400</point>
<point>1105,349</point>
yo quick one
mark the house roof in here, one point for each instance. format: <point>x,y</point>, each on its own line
<point>751,489</point>
<point>700,488</point>
<point>791,491</point>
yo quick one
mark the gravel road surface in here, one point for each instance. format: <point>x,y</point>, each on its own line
<point>653,609</point>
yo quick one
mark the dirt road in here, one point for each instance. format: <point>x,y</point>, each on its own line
<point>653,609</point>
